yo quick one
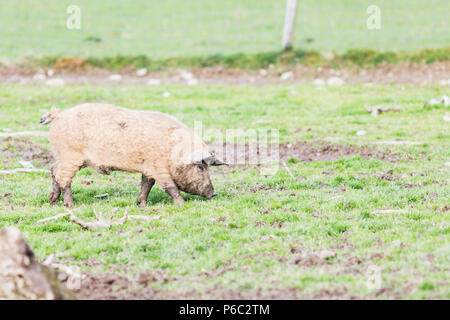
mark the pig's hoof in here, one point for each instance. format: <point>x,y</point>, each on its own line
<point>53,198</point>
<point>179,201</point>
<point>141,203</point>
<point>69,204</point>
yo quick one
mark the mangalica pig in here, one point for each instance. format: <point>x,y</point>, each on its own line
<point>107,138</point>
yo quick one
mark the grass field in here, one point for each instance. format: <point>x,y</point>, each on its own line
<point>260,232</point>
<point>175,28</point>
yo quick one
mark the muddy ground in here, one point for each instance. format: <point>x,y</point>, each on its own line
<point>115,286</point>
<point>141,286</point>
<point>421,74</point>
<point>306,151</point>
<point>22,148</point>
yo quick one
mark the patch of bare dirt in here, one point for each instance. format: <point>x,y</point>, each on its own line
<point>436,72</point>
<point>218,292</point>
<point>117,287</point>
<point>388,176</point>
<point>241,155</point>
<point>23,149</point>
<point>336,293</point>
<point>319,151</point>
<point>312,259</point>
<point>444,209</point>
<point>261,187</point>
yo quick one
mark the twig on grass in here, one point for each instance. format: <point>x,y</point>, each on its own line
<point>22,170</point>
<point>335,197</point>
<point>101,196</point>
<point>399,142</point>
<point>287,169</point>
<point>24,133</point>
<point>101,222</point>
<point>58,216</point>
<point>390,211</point>
<point>145,218</point>
<point>72,272</point>
<point>376,110</point>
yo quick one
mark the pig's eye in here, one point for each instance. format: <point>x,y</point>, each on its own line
<point>200,167</point>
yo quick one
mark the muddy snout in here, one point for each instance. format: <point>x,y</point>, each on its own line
<point>212,195</point>
<point>208,192</point>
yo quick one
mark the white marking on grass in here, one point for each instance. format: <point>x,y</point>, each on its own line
<point>361,133</point>
<point>335,82</point>
<point>287,169</point>
<point>73,272</point>
<point>397,142</point>
<point>319,82</point>
<point>58,216</point>
<point>55,82</point>
<point>446,117</point>
<point>335,197</point>
<point>373,277</point>
<point>23,133</point>
<point>141,72</point>
<point>26,164</point>
<point>287,76</point>
<point>22,170</point>
<point>145,218</point>
<point>100,196</point>
<point>39,77</point>
<point>333,138</point>
<point>115,77</point>
<point>390,211</point>
<point>154,82</point>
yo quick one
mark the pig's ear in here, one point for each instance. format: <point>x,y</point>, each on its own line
<point>208,158</point>
<point>212,160</point>
<point>199,157</point>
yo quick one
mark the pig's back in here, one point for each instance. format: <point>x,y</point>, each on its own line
<point>106,133</point>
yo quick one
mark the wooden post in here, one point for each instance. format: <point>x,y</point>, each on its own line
<point>289,24</point>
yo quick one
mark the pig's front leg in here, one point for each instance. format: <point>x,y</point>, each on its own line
<point>146,187</point>
<point>174,193</point>
<point>170,188</point>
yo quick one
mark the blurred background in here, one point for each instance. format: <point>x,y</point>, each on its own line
<point>170,28</point>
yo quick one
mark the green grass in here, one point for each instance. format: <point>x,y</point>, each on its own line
<point>176,28</point>
<point>281,59</point>
<point>244,237</point>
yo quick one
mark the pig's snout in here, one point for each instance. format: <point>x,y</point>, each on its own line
<point>211,194</point>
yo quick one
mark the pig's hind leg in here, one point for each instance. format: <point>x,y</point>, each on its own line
<point>56,190</point>
<point>146,187</point>
<point>64,174</point>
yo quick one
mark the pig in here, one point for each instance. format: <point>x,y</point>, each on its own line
<point>107,138</point>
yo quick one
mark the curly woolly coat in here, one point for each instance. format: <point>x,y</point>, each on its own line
<point>107,138</point>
